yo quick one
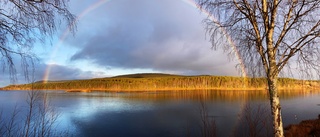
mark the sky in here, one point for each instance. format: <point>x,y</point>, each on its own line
<point>116,37</point>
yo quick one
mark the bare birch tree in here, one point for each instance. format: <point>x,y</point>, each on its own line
<point>271,36</point>
<point>25,22</point>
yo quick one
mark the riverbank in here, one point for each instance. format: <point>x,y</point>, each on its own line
<point>306,128</point>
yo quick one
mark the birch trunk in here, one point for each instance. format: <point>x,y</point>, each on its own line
<point>275,107</point>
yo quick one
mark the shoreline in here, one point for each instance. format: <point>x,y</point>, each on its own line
<point>166,89</point>
<point>310,127</point>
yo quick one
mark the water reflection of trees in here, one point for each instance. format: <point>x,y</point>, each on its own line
<point>34,118</point>
<point>253,120</point>
<point>214,95</point>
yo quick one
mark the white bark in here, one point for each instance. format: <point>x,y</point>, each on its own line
<point>275,107</point>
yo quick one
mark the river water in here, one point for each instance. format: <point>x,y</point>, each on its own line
<point>164,113</point>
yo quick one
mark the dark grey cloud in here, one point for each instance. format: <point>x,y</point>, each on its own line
<point>161,35</point>
<point>60,72</point>
<point>57,72</point>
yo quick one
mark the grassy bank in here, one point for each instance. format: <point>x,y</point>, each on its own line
<point>146,82</point>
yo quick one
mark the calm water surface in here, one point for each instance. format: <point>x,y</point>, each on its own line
<point>161,114</point>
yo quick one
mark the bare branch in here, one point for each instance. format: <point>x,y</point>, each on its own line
<point>269,36</point>
<point>24,22</point>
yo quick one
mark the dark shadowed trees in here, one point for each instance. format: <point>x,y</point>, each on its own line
<point>25,22</point>
<point>271,36</point>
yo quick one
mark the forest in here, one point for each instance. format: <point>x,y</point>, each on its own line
<point>155,81</point>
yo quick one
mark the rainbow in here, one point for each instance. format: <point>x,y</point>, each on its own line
<point>64,36</point>
<point>227,36</point>
<point>102,2</point>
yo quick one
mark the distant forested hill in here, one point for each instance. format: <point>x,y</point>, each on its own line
<point>159,81</point>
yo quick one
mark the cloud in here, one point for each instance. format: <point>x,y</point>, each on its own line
<point>162,36</point>
<point>165,36</point>
<point>57,72</point>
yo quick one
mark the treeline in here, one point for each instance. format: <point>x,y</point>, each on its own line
<point>165,83</point>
